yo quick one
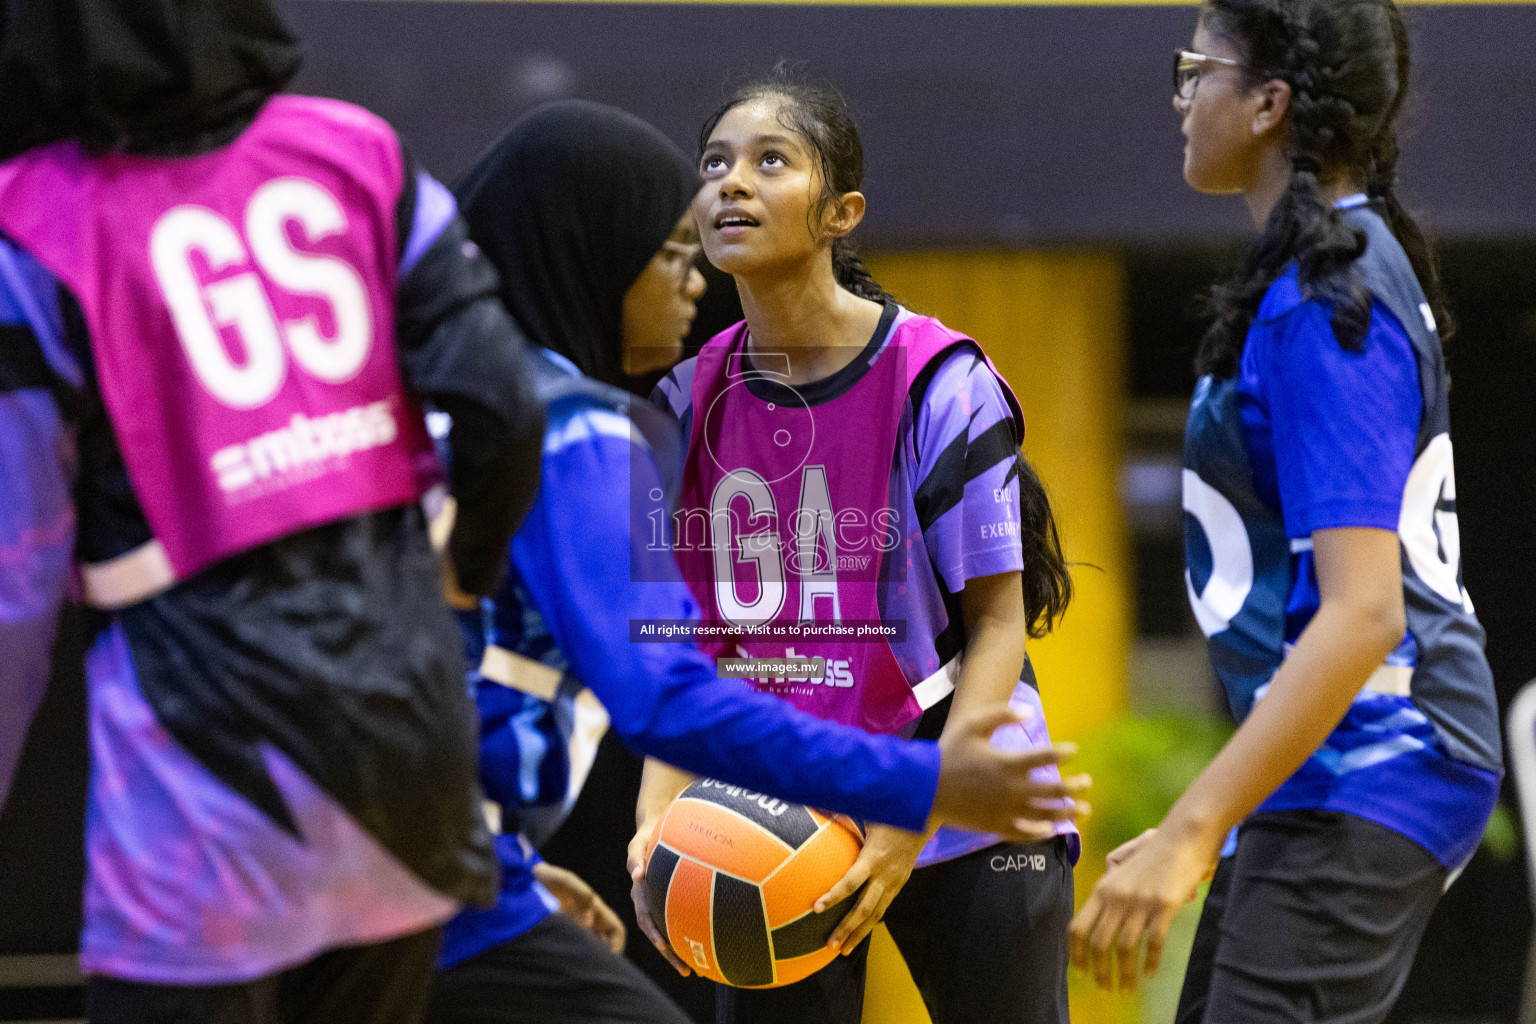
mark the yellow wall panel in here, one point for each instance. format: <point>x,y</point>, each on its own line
<point>1054,324</point>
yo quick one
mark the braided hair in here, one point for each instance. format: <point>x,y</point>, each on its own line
<point>820,116</point>
<point>1347,64</point>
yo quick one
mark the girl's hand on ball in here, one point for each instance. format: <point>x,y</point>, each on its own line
<point>581,904</point>
<point>635,861</point>
<point>988,789</point>
<point>882,868</point>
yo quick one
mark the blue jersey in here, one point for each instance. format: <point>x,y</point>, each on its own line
<point>1308,436</point>
<point>581,569</point>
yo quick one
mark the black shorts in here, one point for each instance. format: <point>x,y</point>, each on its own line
<point>1315,918</point>
<point>385,983</point>
<point>984,935</point>
<point>554,973</point>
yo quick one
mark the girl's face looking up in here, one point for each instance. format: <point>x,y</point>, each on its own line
<point>660,306</point>
<point>757,211</point>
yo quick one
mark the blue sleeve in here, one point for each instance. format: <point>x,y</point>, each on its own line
<point>582,560</point>
<point>37,523</point>
<point>1345,424</point>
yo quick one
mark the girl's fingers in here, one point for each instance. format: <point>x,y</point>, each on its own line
<point>1101,946</point>
<point>852,942</point>
<point>846,886</point>
<point>652,931</point>
<point>863,911</point>
<point>1126,949</point>
<point>1040,757</point>
<point>1079,930</point>
<point>1157,934</point>
<point>610,928</point>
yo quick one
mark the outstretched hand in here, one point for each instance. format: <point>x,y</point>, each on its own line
<point>1148,880</point>
<point>988,789</point>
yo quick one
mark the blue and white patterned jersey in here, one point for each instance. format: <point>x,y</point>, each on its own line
<point>1308,436</point>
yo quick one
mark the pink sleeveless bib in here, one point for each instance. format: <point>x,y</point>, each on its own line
<point>240,305</point>
<point>798,505</point>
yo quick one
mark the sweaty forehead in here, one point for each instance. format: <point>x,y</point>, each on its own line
<point>756,121</point>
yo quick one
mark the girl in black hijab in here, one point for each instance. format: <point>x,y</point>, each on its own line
<point>572,206</point>
<point>138,76</point>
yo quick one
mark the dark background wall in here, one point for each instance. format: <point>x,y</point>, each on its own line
<point>984,126</point>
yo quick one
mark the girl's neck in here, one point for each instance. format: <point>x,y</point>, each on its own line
<point>1273,177</point>
<point>818,326</point>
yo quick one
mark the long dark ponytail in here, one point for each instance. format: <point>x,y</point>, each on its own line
<point>820,115</point>
<point>1347,64</point>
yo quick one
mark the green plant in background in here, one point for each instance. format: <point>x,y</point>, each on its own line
<point>1140,766</point>
<point>1501,839</point>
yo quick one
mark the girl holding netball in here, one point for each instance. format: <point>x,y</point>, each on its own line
<point>1323,549</point>
<point>852,464</point>
<point>584,210</point>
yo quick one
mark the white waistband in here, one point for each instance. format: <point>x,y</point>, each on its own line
<point>516,672</point>
<point>939,685</point>
<point>127,579</point>
<point>1395,680</point>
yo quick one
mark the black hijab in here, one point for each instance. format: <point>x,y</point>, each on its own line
<point>570,206</point>
<point>147,76</point>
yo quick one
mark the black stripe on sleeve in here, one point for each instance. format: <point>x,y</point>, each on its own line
<point>944,486</point>
<point>990,448</point>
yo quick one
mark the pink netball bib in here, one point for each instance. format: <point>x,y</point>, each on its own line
<point>240,305</point>
<point>801,517</point>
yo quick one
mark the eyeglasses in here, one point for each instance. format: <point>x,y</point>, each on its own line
<point>1187,66</point>
<point>681,257</point>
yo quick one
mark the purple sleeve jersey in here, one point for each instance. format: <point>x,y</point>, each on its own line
<point>957,477</point>
<point>235,822</point>
<point>961,482</point>
<point>962,464</point>
<point>37,518</point>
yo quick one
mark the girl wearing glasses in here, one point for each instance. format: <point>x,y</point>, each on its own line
<point>1323,552</point>
<point>853,463</point>
<point>584,210</point>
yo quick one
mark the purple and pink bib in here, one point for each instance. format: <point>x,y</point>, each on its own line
<point>240,306</point>
<point>787,520</point>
